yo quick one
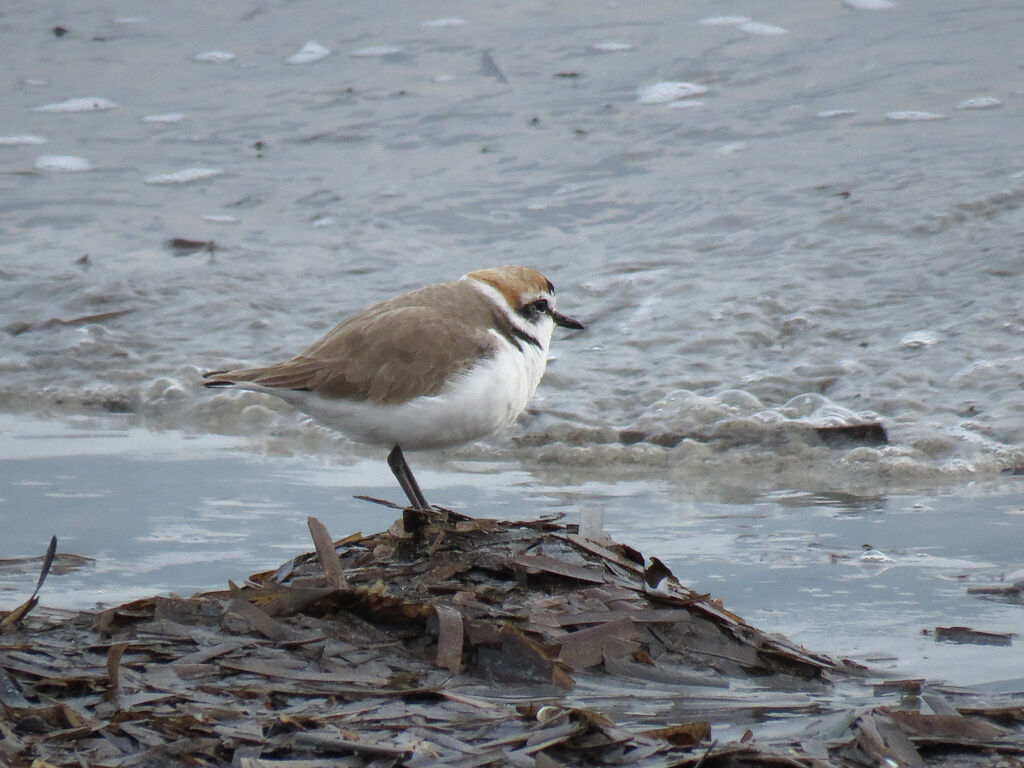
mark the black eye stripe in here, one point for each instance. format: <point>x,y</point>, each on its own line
<point>531,309</point>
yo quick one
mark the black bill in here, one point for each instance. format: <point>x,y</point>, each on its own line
<point>566,322</point>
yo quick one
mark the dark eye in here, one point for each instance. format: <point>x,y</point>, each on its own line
<point>533,310</point>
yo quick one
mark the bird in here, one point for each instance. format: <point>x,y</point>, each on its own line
<point>437,367</point>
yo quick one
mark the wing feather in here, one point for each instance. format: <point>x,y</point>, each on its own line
<point>391,352</point>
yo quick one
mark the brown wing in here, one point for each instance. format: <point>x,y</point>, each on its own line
<point>387,353</point>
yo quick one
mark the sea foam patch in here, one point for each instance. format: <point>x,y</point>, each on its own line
<point>911,116</point>
<point>169,117</point>
<point>214,57</point>
<point>377,50</point>
<point>184,176</point>
<point>451,21</point>
<point>62,164</point>
<point>764,30</point>
<point>669,91</point>
<point>982,102</point>
<point>919,339</point>
<point>310,52</point>
<point>78,104</point>
<point>723,21</point>
<point>21,139</point>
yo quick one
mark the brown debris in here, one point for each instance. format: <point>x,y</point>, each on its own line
<point>184,246</point>
<point>968,736</point>
<point>114,654</point>
<point>464,643</point>
<point>587,648</point>
<point>973,636</point>
<point>328,557</point>
<point>683,735</point>
<point>853,434</point>
<point>449,638</point>
<point>843,436</point>
<point>63,562</point>
<point>1011,593</point>
<point>20,327</point>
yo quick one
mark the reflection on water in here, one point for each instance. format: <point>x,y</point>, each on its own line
<point>840,501</point>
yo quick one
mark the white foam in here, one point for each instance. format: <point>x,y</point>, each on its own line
<point>310,52</point>
<point>665,92</point>
<point>215,218</point>
<point>919,339</point>
<point>62,164</point>
<point>79,104</point>
<point>214,57</point>
<point>804,405</point>
<point>827,113</point>
<point>184,176</point>
<point>611,46</point>
<point>766,30</point>
<point>377,50</point>
<point>982,102</point>
<point>740,400</point>
<point>721,21</point>
<point>21,139</point>
<point>868,5</point>
<point>913,116</point>
<point>452,21</point>
<point>169,117</point>
<point>872,556</point>
<point>834,415</point>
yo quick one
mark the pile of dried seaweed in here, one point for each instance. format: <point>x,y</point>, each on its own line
<point>460,642</point>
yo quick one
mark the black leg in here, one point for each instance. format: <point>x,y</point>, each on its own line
<point>396,460</point>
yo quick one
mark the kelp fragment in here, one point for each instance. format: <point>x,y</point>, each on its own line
<point>462,643</point>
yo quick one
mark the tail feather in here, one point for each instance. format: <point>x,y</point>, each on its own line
<point>273,377</point>
<point>218,379</point>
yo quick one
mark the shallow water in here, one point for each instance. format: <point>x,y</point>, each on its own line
<point>828,234</point>
<point>792,563</point>
<point>184,514</point>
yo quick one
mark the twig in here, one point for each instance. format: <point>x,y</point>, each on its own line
<point>22,610</point>
<point>382,502</point>
<point>706,754</point>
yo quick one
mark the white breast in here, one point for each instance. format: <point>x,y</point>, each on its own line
<point>474,405</point>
